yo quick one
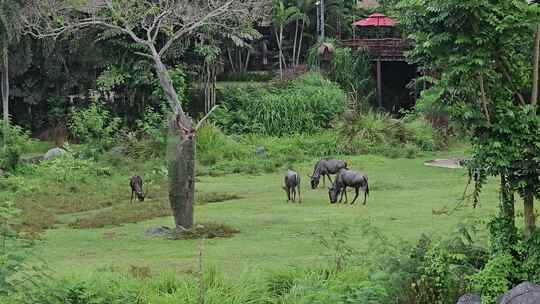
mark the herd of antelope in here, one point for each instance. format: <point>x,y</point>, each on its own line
<point>344,178</point>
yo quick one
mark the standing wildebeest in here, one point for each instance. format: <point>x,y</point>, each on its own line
<point>347,178</point>
<point>325,167</point>
<point>292,182</point>
<point>136,184</point>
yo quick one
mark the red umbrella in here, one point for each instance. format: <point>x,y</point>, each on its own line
<point>376,20</point>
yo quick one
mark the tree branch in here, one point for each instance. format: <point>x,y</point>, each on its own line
<point>536,49</point>
<point>484,98</point>
<point>189,27</point>
<point>199,124</point>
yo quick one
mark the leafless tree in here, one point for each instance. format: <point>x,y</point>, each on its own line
<point>156,25</point>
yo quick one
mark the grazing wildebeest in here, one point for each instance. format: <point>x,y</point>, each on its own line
<point>136,184</point>
<point>292,182</point>
<point>348,178</point>
<point>325,167</point>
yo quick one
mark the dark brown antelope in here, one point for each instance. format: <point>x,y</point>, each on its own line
<point>348,178</point>
<point>136,184</point>
<point>292,182</point>
<point>325,167</point>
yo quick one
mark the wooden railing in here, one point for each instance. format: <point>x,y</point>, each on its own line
<point>385,49</point>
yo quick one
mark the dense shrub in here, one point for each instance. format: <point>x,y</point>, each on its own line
<point>11,150</point>
<point>94,125</point>
<point>494,279</point>
<point>306,105</point>
<point>378,133</point>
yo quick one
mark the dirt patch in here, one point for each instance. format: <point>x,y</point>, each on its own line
<point>207,231</point>
<point>452,163</point>
<point>215,197</point>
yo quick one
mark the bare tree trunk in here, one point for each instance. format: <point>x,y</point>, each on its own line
<point>279,39</point>
<point>181,159</point>
<point>300,44</point>
<point>246,63</point>
<point>294,43</point>
<point>233,67</point>
<point>181,153</point>
<point>5,91</point>
<point>528,214</point>
<point>534,95</point>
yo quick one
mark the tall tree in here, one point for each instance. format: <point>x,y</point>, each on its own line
<point>282,16</point>
<point>156,26</point>
<point>483,55</point>
<point>9,32</point>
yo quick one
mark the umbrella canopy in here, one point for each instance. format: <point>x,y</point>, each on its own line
<point>376,20</point>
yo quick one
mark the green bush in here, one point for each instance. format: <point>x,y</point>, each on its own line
<point>11,150</point>
<point>378,133</point>
<point>305,106</point>
<point>94,126</point>
<point>494,279</point>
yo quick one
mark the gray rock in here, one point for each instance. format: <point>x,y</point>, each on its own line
<point>54,152</point>
<point>118,151</point>
<point>524,293</point>
<point>159,231</point>
<point>260,150</point>
<point>33,160</point>
<point>2,173</point>
<point>469,298</point>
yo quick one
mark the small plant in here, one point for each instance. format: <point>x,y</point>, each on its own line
<point>336,243</point>
<point>16,141</point>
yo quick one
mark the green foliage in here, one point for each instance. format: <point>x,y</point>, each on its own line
<point>306,105</point>
<point>352,71</point>
<point>378,133</point>
<point>110,78</point>
<point>94,125</point>
<point>502,235</point>
<point>531,265</point>
<point>150,136</point>
<point>435,275</point>
<point>494,279</point>
<point>214,146</point>
<point>10,152</point>
<point>11,255</point>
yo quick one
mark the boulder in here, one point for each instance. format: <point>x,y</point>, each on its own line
<point>54,152</point>
<point>524,293</point>
<point>118,151</point>
<point>469,298</point>
<point>2,173</point>
<point>260,151</point>
<point>159,231</point>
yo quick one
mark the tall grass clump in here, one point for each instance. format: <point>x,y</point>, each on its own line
<point>307,105</point>
<point>379,133</point>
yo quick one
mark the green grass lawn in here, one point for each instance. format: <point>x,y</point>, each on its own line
<point>273,234</point>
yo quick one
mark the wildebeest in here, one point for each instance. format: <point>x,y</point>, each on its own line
<point>136,184</point>
<point>325,167</point>
<point>292,182</point>
<point>348,178</point>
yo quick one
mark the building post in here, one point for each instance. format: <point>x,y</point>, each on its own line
<point>379,84</point>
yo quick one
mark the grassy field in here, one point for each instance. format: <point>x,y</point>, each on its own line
<point>406,200</point>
